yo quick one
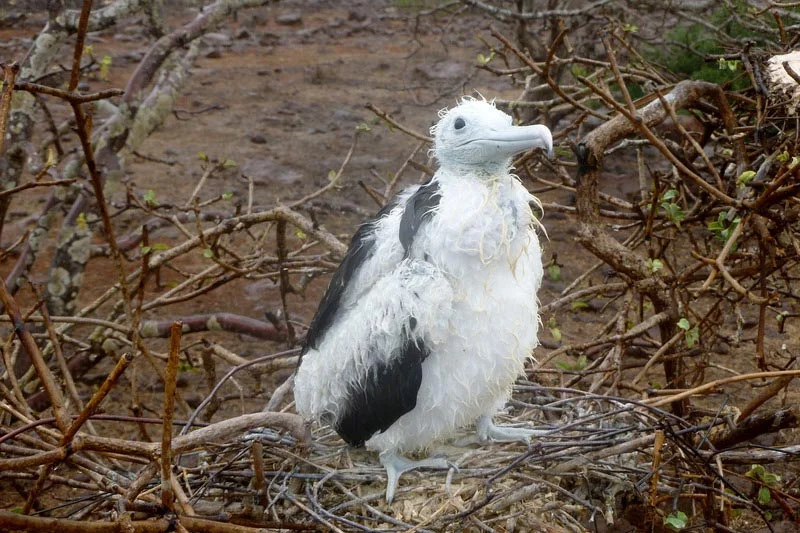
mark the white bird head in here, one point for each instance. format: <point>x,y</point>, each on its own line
<point>475,134</point>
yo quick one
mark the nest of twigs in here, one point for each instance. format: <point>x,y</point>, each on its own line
<point>600,461</point>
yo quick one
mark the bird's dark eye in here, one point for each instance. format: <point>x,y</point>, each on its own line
<point>459,123</point>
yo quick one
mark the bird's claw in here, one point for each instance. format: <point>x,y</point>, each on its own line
<point>487,432</point>
<point>396,465</point>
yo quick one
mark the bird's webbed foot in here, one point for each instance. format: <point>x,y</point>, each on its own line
<point>396,465</point>
<point>487,432</point>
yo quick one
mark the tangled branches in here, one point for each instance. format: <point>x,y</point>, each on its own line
<point>666,378</point>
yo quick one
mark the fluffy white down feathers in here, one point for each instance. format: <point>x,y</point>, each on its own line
<point>468,280</point>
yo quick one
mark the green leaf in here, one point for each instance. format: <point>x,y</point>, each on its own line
<point>554,272</point>
<point>577,366</point>
<point>630,28</point>
<point>331,175</point>
<point>783,157</point>
<point>764,496</point>
<point>105,66</point>
<point>756,471</point>
<point>556,333</point>
<point>364,127</point>
<point>227,195</point>
<point>578,71</point>
<point>146,250</point>
<point>674,213</point>
<point>654,265</point>
<point>728,64</point>
<point>676,521</point>
<point>684,324</point>
<point>160,246</point>
<point>149,197</point>
<point>208,253</point>
<point>745,177</point>
<point>229,163</point>
<point>669,195</point>
<point>202,156</point>
<point>577,305</point>
<point>300,234</point>
<point>795,161</point>
<point>692,337</point>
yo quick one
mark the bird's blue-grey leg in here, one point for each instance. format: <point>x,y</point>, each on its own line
<point>396,465</point>
<point>488,432</point>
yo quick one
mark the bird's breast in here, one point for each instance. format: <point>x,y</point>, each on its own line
<point>480,225</point>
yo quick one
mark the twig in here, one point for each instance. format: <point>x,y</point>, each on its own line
<point>170,383</point>
<point>383,115</point>
<point>718,383</point>
<point>69,96</point>
<point>42,370</point>
<point>33,184</point>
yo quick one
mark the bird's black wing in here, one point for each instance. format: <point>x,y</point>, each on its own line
<point>361,248</point>
<point>391,385</point>
<point>419,208</point>
<point>388,392</point>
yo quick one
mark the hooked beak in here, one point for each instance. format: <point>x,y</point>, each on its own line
<point>510,141</point>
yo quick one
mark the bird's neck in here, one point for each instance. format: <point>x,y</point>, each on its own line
<point>501,174</point>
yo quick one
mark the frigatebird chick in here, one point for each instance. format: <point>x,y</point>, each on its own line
<point>433,312</point>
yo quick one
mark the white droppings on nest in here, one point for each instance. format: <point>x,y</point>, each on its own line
<point>782,82</point>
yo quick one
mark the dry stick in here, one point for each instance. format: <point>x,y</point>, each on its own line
<point>97,185</point>
<point>135,405</point>
<point>14,396</point>
<point>686,135</point>
<point>256,451</point>
<point>62,363</point>
<point>285,283</point>
<point>657,446</point>
<point>544,74</point>
<point>332,182</point>
<point>42,370</point>
<point>389,190</point>
<point>202,181</point>
<point>230,225</point>
<point>170,383</point>
<point>33,184</point>
<point>635,331</point>
<point>612,58</point>
<point>69,96</point>
<point>383,115</point>
<point>36,524</point>
<point>83,416</point>
<point>94,403</point>
<point>594,458</point>
<point>9,74</point>
<point>719,266</point>
<point>84,134</point>
<point>230,373</point>
<point>717,383</point>
<point>83,24</point>
<point>767,393</point>
<point>657,356</point>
